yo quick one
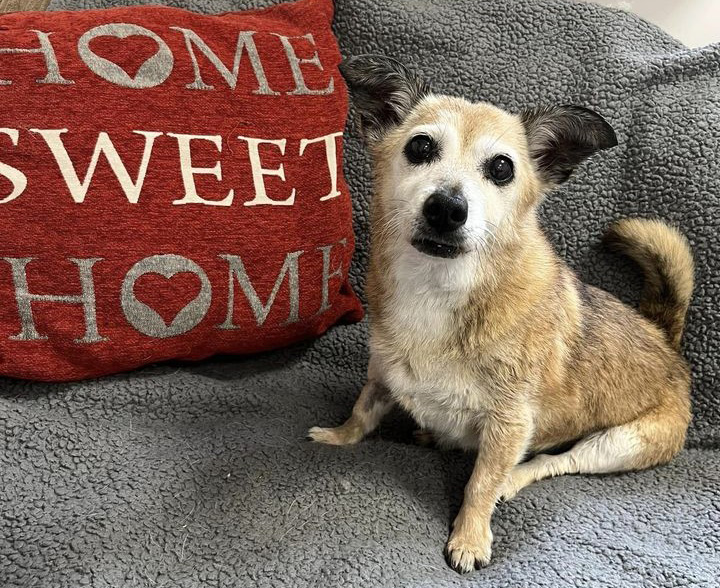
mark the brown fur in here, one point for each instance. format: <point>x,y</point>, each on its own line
<point>553,360</point>
<point>665,258</point>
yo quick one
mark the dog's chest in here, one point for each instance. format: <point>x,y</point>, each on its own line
<point>437,387</point>
<point>442,395</point>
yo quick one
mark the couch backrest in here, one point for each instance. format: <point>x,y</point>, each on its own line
<point>662,99</point>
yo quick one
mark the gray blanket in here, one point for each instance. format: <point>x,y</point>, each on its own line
<point>199,476</point>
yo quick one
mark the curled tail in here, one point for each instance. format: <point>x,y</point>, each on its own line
<point>664,255</point>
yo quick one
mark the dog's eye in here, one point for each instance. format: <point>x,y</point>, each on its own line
<point>500,169</point>
<point>421,149</point>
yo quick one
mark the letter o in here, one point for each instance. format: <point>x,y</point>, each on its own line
<point>153,72</point>
<point>147,320</point>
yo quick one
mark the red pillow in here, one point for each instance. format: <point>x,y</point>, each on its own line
<point>170,186</point>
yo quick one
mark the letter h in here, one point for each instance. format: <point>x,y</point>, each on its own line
<point>25,299</point>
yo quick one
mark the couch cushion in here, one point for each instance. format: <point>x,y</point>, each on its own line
<point>200,476</point>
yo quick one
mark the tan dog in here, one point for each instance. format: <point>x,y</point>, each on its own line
<point>478,329</point>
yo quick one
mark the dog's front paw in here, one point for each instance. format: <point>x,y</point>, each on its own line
<point>468,551</point>
<point>335,435</point>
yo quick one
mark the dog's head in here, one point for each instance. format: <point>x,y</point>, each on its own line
<point>453,176</point>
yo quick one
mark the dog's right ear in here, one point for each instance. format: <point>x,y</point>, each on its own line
<point>384,92</point>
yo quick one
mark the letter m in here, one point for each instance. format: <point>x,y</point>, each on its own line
<point>261,311</point>
<point>245,42</point>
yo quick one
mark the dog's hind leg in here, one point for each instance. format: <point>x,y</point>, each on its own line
<point>652,439</point>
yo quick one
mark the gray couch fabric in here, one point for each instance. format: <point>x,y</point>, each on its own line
<point>199,475</point>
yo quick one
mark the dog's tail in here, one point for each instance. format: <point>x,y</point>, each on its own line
<point>664,255</point>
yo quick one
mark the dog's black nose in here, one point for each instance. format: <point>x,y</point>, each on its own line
<point>445,210</point>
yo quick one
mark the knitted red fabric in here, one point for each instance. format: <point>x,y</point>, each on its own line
<point>170,186</point>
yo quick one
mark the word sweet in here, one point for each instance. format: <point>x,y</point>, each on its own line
<point>132,188</point>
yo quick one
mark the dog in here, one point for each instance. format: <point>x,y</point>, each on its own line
<point>478,329</point>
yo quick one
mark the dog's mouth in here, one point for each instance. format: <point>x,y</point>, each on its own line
<point>436,247</point>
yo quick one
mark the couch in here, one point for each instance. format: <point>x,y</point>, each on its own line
<point>199,475</point>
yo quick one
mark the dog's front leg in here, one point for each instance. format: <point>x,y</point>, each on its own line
<point>371,406</point>
<point>502,442</point>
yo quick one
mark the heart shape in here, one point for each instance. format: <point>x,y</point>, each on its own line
<point>154,70</point>
<point>129,53</point>
<point>167,296</point>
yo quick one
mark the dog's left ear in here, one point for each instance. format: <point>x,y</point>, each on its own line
<point>384,92</point>
<point>560,137</point>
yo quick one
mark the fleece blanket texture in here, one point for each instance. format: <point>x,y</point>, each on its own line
<point>197,476</point>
